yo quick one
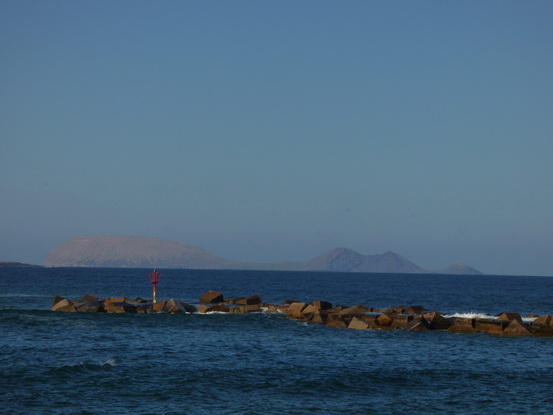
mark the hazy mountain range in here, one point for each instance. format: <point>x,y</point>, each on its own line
<point>149,252</point>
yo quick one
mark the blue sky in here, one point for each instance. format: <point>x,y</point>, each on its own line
<point>269,131</point>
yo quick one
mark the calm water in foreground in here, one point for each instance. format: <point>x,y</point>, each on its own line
<point>76,363</point>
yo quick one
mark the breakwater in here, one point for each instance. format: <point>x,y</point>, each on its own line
<point>359,317</point>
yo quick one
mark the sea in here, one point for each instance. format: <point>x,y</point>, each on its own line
<point>265,363</point>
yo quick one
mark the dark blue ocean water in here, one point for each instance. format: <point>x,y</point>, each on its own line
<point>77,363</point>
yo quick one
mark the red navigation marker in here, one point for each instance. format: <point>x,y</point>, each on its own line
<point>154,279</point>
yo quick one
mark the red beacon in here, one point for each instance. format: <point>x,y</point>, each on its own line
<point>154,279</point>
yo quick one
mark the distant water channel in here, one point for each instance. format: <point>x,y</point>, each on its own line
<point>78,363</point>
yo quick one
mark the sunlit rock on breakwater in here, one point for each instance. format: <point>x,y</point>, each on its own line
<point>359,317</point>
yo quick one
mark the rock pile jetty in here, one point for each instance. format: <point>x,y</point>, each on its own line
<point>359,317</point>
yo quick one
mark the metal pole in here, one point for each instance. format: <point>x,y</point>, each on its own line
<point>155,299</point>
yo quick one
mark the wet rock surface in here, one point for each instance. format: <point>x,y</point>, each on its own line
<point>358,317</point>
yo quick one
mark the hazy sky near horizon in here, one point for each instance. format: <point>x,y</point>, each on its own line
<point>276,130</point>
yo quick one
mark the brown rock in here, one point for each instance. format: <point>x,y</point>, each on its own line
<point>490,326</point>
<point>337,320</point>
<point>418,324</point>
<point>311,309</point>
<point>88,297</point>
<point>437,321</point>
<point>516,329</point>
<point>295,310</point>
<point>144,308</point>
<point>415,309</point>
<point>543,320</point>
<point>250,308</point>
<point>212,297</point>
<point>353,311</point>
<point>60,302</point>
<point>91,306</point>
<point>174,306</point>
<point>322,305</point>
<point>221,308</point>
<point>509,317</point>
<point>69,308</point>
<point>400,321</point>
<point>159,306</point>
<point>462,325</point>
<point>272,308</point>
<point>320,317</point>
<point>120,307</point>
<point>385,319</point>
<point>400,309</point>
<point>358,324</point>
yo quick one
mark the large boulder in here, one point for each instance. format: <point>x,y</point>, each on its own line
<point>295,310</point>
<point>322,305</point>
<point>509,317</point>
<point>212,297</point>
<point>462,325</point>
<point>91,306</point>
<point>516,329</point>
<point>418,324</point>
<point>174,306</point>
<point>358,324</point>
<point>337,320</point>
<point>358,310</point>
<point>490,326</point>
<point>437,321</point>
<point>214,308</point>
<point>544,320</point>
<point>119,307</point>
<point>62,304</point>
<point>88,297</point>
<point>415,309</point>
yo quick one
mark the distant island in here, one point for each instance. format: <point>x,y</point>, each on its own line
<point>150,252</point>
<point>15,264</point>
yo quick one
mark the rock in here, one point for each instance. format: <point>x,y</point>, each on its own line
<point>212,297</point>
<point>320,317</point>
<point>295,310</point>
<point>91,306</point>
<point>358,324</point>
<point>119,307</point>
<point>254,299</point>
<point>159,306</point>
<point>400,309</point>
<point>144,308</point>
<point>418,324</point>
<point>516,329</point>
<point>400,321</point>
<point>220,308</point>
<point>509,317</point>
<point>271,308</point>
<point>462,325</point>
<point>415,309</point>
<point>311,309</point>
<point>353,311</point>
<point>69,308</point>
<point>490,326</point>
<point>437,321</point>
<point>337,320</point>
<point>385,319</point>
<point>545,320</point>
<point>322,305</point>
<point>60,302</point>
<point>88,297</point>
<point>250,308</point>
<point>174,306</point>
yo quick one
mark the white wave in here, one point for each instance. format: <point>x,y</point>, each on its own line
<point>471,314</point>
<point>109,362</point>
